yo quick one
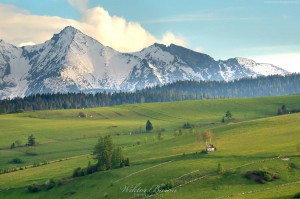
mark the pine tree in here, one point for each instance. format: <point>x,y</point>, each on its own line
<point>31,140</point>
<point>103,152</point>
<point>149,126</point>
<point>228,115</point>
<point>12,146</point>
<point>117,157</point>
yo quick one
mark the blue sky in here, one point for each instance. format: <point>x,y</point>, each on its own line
<point>264,30</point>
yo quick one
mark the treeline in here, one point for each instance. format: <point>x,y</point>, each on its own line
<point>178,91</point>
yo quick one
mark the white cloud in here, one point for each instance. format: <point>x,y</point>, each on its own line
<point>169,38</point>
<point>19,26</point>
<point>29,43</point>
<point>115,31</point>
<point>287,61</point>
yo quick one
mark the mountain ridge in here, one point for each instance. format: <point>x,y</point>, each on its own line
<point>74,62</point>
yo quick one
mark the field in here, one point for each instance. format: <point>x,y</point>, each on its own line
<point>256,138</point>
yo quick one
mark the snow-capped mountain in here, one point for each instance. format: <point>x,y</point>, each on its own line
<point>72,61</point>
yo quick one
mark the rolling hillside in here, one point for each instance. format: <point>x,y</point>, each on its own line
<point>255,138</point>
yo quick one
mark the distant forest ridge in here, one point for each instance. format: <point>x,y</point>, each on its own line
<point>182,90</point>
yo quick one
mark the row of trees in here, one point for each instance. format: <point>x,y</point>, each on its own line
<point>107,156</point>
<point>204,136</point>
<point>181,90</point>
<point>284,110</point>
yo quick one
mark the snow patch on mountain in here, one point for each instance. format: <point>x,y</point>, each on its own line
<point>260,68</point>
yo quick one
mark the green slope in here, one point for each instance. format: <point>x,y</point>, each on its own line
<point>65,140</point>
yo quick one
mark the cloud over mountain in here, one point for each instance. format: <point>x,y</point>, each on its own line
<point>19,27</point>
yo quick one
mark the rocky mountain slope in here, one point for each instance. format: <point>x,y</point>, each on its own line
<point>72,62</point>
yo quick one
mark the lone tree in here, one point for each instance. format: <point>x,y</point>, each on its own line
<point>228,115</point>
<point>31,140</point>
<point>149,126</point>
<point>206,135</point>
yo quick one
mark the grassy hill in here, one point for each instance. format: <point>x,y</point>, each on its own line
<point>256,138</point>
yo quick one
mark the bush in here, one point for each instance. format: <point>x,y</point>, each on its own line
<point>187,126</point>
<point>125,162</point>
<point>18,143</point>
<point>12,146</point>
<point>91,169</point>
<point>33,188</point>
<point>82,115</point>
<point>79,172</point>
<point>16,161</point>
<point>49,184</point>
<point>297,195</point>
<point>293,166</point>
<point>261,176</point>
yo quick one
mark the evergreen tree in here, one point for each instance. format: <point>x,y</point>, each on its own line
<point>228,115</point>
<point>117,157</point>
<point>103,152</point>
<point>12,146</point>
<point>223,120</point>
<point>31,140</point>
<point>177,91</point>
<point>149,126</point>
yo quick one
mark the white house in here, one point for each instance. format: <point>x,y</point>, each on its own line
<point>210,148</point>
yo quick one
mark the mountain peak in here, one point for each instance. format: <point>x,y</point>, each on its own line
<point>73,61</point>
<point>67,34</point>
<point>69,29</point>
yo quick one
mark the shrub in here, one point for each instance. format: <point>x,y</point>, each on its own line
<point>126,162</point>
<point>33,188</point>
<point>12,146</point>
<point>91,169</point>
<point>16,161</point>
<point>297,195</point>
<point>187,126</point>
<point>261,176</point>
<point>79,172</point>
<point>18,143</point>
<point>49,184</point>
<point>82,115</point>
<point>293,166</point>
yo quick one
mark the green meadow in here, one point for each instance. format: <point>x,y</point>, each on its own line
<point>256,138</point>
